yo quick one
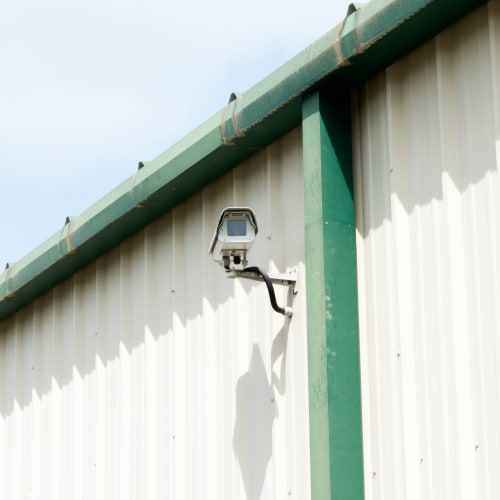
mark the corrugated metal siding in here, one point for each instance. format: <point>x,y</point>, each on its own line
<point>428,219</point>
<point>150,375</point>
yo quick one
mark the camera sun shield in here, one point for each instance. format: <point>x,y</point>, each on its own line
<point>234,237</point>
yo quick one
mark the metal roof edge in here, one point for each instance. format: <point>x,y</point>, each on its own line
<point>365,39</point>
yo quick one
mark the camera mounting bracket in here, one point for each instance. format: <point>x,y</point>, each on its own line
<point>285,279</point>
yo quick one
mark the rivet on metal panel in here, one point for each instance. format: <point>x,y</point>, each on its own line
<point>421,460</point>
<point>476,447</point>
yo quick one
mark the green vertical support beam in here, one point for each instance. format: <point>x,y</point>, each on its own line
<point>332,312</point>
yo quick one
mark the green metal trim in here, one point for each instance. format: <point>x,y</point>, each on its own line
<point>368,40</point>
<point>332,312</point>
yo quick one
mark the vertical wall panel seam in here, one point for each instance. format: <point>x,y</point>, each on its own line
<point>493,11</point>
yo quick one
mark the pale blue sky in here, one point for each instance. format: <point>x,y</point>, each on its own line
<point>89,88</point>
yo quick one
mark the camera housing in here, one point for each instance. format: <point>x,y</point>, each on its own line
<point>234,237</point>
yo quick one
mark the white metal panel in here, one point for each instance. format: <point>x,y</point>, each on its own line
<point>149,374</point>
<point>428,220</point>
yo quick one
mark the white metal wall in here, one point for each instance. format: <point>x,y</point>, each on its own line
<point>150,375</point>
<point>427,136</point>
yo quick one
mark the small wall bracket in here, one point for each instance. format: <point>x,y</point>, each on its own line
<point>256,274</point>
<point>284,279</point>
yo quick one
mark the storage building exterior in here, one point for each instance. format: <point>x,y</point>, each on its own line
<point>131,367</point>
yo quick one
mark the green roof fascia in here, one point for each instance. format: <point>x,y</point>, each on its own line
<point>369,39</point>
<point>382,31</point>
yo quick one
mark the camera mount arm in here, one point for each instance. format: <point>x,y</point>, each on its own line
<point>257,274</point>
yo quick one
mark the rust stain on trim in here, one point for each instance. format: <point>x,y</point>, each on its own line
<point>66,237</point>
<point>233,102</point>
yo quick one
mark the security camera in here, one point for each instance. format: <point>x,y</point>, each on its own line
<point>233,237</point>
<point>232,240</point>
